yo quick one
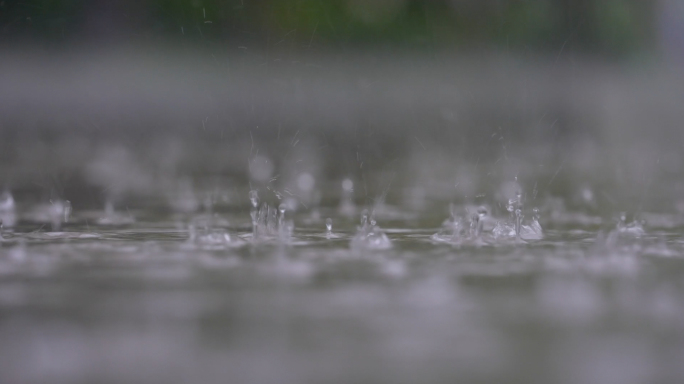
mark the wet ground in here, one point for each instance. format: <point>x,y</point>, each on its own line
<point>151,301</point>
<point>153,270</point>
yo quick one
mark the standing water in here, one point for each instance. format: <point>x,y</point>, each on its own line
<point>342,226</point>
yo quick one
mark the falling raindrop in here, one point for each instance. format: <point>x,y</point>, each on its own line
<point>254,199</point>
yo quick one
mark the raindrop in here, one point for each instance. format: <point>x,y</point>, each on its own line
<point>254,198</point>
<point>364,218</point>
<point>282,208</point>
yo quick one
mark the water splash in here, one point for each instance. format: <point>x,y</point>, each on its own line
<point>268,222</point>
<point>210,232</point>
<point>631,227</point>
<point>475,226</point>
<point>254,200</point>
<point>471,228</point>
<point>627,232</point>
<point>452,228</point>
<point>369,235</point>
<point>328,226</point>
<point>329,234</point>
<point>285,225</point>
<point>515,228</point>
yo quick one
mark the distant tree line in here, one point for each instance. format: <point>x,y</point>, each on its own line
<point>601,26</point>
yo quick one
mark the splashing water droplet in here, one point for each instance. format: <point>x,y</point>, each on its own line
<point>510,207</point>
<point>364,218</point>
<point>254,213</point>
<point>281,217</point>
<point>278,195</point>
<point>370,236</point>
<point>518,221</point>
<point>254,198</point>
<point>328,224</point>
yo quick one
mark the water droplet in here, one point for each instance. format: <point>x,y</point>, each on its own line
<point>254,198</point>
<point>370,236</point>
<point>364,218</point>
<point>510,207</point>
<point>278,195</point>
<point>281,218</point>
<point>328,224</point>
<point>518,221</point>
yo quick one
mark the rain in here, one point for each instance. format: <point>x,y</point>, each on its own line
<point>300,191</point>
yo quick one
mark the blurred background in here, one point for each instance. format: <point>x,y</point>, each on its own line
<point>120,100</point>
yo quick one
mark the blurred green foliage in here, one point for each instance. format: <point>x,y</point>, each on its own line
<point>604,26</point>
